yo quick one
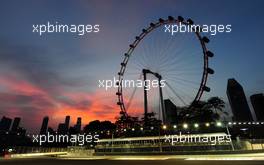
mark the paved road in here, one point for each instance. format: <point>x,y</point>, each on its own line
<point>54,161</point>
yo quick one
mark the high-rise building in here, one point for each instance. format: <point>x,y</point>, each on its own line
<point>238,101</point>
<point>21,131</point>
<point>15,124</point>
<point>72,130</point>
<point>51,131</point>
<point>62,129</point>
<point>257,101</point>
<point>5,124</point>
<point>170,112</point>
<point>78,125</point>
<point>67,123</point>
<point>44,126</point>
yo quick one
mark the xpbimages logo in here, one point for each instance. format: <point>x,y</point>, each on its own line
<point>79,139</point>
<point>213,139</point>
<point>211,29</point>
<point>147,84</point>
<point>80,29</point>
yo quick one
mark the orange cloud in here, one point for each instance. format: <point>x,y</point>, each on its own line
<point>31,103</point>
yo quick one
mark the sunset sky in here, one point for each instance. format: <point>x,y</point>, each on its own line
<point>57,74</point>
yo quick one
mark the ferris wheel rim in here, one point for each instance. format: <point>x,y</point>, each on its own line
<point>152,26</point>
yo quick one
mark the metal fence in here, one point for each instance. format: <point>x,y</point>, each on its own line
<point>238,145</point>
<point>25,150</point>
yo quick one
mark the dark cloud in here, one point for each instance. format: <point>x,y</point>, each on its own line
<point>36,65</point>
<point>82,104</point>
<point>20,100</point>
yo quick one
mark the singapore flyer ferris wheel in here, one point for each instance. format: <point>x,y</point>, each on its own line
<point>180,60</point>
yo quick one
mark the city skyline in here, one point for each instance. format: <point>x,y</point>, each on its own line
<point>241,113</point>
<point>57,74</point>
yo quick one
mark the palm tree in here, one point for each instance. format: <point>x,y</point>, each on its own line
<point>217,104</point>
<point>150,120</point>
<point>203,111</point>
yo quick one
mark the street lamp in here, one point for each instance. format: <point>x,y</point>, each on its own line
<point>185,126</point>
<point>207,124</point>
<point>196,125</point>
<point>218,124</point>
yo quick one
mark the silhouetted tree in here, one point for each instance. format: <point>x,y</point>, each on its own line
<point>217,104</point>
<point>203,111</point>
<point>150,120</point>
<point>97,126</point>
<point>107,126</point>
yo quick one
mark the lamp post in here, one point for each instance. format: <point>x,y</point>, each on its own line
<point>228,133</point>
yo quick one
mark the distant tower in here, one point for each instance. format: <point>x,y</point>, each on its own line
<point>62,129</point>
<point>51,131</point>
<point>78,125</point>
<point>257,101</point>
<point>15,124</point>
<point>238,101</point>
<point>67,123</point>
<point>5,124</point>
<point>170,112</point>
<point>44,125</point>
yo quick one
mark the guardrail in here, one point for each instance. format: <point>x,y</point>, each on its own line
<point>37,154</point>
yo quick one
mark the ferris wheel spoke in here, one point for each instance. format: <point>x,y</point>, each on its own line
<point>179,48</point>
<point>143,59</point>
<point>172,97</point>
<point>156,48</point>
<point>183,73</point>
<point>131,98</point>
<point>176,94</point>
<point>140,60</point>
<point>182,85</point>
<point>177,71</point>
<point>178,61</point>
<point>169,95</point>
<point>168,58</point>
<point>138,63</point>
<point>133,94</point>
<point>168,46</point>
<point>132,73</point>
<point>184,66</point>
<point>185,81</point>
